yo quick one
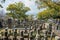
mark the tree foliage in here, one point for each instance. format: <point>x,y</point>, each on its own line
<point>17,10</point>
<point>2,1</point>
<point>46,14</point>
<point>54,8</point>
<point>30,17</point>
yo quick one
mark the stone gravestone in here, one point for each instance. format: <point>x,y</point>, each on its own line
<point>2,34</point>
<point>31,38</point>
<point>26,35</point>
<point>9,23</point>
<point>18,22</point>
<point>50,28</point>
<point>6,34</point>
<point>41,27</point>
<point>10,34</point>
<point>15,35</point>
<point>45,34</point>
<point>21,33</point>
<point>38,31</point>
<point>1,26</point>
<point>22,38</point>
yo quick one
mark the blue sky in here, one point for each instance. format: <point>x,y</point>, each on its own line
<point>28,3</point>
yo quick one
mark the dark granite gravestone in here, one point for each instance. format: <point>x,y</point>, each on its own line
<point>1,26</point>
<point>57,27</point>
<point>22,38</point>
<point>18,22</point>
<point>38,31</point>
<point>22,33</point>
<point>6,32</point>
<point>15,35</point>
<point>9,23</point>
<point>35,29</point>
<point>41,27</point>
<point>50,28</point>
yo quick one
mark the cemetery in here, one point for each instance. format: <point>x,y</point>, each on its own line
<point>29,19</point>
<point>27,31</point>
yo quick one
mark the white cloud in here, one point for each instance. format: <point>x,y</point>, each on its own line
<point>28,3</point>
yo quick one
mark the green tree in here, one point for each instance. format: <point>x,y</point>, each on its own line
<point>54,7</point>
<point>43,15</point>
<point>46,14</point>
<point>17,10</point>
<point>30,17</point>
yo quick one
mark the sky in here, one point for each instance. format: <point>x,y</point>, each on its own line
<point>30,4</point>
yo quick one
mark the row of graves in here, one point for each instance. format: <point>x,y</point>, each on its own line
<point>22,23</point>
<point>32,30</point>
<point>10,23</point>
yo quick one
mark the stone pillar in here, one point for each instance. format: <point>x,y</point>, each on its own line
<point>9,23</point>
